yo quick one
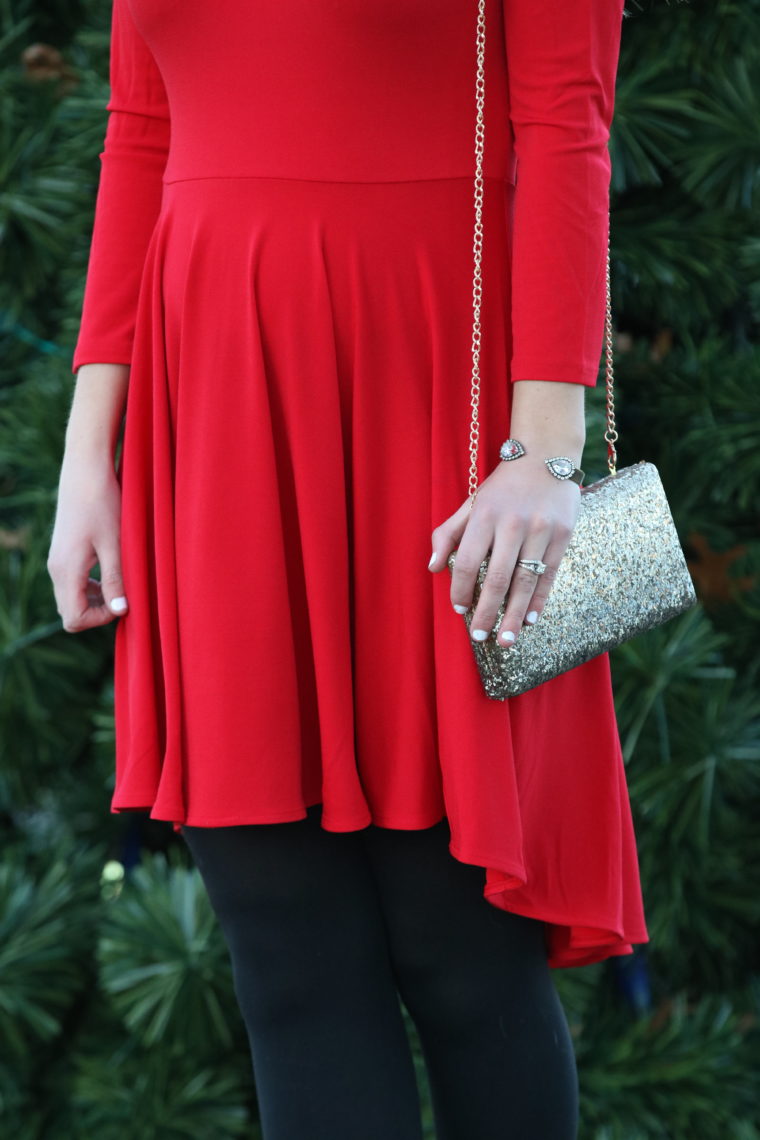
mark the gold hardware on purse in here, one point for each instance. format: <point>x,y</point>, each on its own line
<point>624,570</point>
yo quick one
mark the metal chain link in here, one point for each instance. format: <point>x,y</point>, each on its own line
<point>610,434</point>
<point>477,282</point>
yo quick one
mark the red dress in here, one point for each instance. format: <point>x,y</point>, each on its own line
<point>290,278</point>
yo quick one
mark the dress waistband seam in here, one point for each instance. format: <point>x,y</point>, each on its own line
<point>334,181</point>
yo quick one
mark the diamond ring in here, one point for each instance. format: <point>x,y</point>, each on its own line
<point>533,564</point>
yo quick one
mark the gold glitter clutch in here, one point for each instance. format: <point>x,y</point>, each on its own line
<point>623,573</point>
<point>624,570</point>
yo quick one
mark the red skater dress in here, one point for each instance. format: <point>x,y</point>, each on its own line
<point>282,251</point>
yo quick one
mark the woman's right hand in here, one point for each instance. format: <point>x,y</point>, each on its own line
<point>86,532</point>
<point>88,515</point>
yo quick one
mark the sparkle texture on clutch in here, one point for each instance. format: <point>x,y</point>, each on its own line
<point>624,572</point>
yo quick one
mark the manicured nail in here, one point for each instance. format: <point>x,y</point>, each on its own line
<point>479,634</point>
<point>119,604</point>
<point>460,609</point>
<point>532,616</point>
<point>507,635</point>
<point>432,560</point>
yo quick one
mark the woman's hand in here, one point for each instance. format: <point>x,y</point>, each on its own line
<point>87,522</point>
<point>85,532</point>
<point>521,511</point>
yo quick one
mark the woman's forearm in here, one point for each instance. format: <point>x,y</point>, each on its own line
<point>549,415</point>
<point>96,412</point>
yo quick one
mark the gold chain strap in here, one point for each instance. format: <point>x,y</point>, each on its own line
<point>610,434</point>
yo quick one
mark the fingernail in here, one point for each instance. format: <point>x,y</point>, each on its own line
<point>507,635</point>
<point>532,616</point>
<point>432,560</point>
<point>461,609</point>
<point>119,604</point>
<point>479,634</point>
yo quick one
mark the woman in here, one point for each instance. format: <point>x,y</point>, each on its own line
<point>281,279</point>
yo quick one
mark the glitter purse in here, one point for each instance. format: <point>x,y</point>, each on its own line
<point>623,572</point>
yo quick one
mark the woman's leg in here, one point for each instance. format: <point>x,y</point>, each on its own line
<point>301,917</point>
<point>479,989</point>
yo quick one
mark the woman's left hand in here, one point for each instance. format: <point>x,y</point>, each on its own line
<point>521,511</point>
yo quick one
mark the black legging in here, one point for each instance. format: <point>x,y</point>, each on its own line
<point>325,930</point>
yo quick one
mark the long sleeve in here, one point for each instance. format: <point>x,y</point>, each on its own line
<point>562,58</point>
<point>129,196</point>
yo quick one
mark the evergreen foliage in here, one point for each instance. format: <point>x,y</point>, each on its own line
<point>117,1013</point>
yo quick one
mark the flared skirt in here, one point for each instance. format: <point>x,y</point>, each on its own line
<point>297,425</point>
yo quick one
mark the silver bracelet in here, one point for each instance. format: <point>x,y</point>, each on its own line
<point>560,466</point>
<point>511,449</point>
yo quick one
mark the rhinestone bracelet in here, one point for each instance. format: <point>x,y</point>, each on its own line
<point>561,466</point>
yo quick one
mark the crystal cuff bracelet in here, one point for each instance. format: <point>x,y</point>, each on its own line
<point>511,449</point>
<point>562,467</point>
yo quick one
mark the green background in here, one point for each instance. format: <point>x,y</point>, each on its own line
<point>117,1014</point>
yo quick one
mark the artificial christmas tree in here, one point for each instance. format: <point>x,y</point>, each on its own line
<point>116,1008</point>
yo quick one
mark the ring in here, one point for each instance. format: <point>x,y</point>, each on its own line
<point>533,564</point>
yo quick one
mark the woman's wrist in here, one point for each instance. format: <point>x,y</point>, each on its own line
<point>96,415</point>
<point>548,417</point>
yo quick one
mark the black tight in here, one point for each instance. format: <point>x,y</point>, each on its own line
<point>325,931</point>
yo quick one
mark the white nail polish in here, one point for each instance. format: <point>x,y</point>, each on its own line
<point>532,616</point>
<point>432,560</point>
<point>507,635</point>
<point>119,604</point>
<point>461,609</point>
<point>479,634</point>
